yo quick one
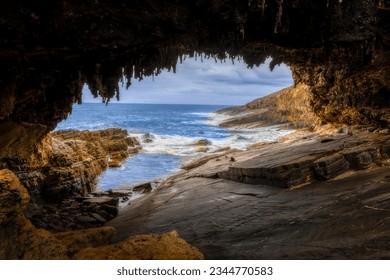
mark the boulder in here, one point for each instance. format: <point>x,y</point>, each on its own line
<point>202,142</point>
<point>202,150</point>
<point>75,241</point>
<point>168,246</point>
<point>329,167</point>
<point>13,196</point>
<point>19,239</point>
<point>144,188</point>
<point>359,159</point>
<point>148,138</point>
<point>112,201</point>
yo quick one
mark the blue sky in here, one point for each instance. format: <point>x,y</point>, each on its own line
<point>205,83</point>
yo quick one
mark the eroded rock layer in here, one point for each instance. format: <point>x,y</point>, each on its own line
<point>289,106</point>
<point>19,239</point>
<point>233,206</point>
<point>68,163</point>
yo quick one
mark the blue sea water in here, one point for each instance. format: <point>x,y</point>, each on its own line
<point>173,128</point>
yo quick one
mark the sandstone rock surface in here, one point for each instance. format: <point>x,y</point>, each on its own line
<point>335,207</point>
<point>166,246</point>
<point>75,241</point>
<point>290,105</point>
<point>19,239</point>
<point>68,163</point>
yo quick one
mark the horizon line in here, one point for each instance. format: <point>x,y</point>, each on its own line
<point>138,103</point>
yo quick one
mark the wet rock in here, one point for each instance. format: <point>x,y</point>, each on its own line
<point>329,167</point>
<point>235,218</point>
<point>202,142</point>
<point>73,160</point>
<point>359,159</point>
<point>112,210</point>
<point>148,138</point>
<point>101,200</point>
<point>86,220</point>
<point>98,217</point>
<point>144,188</point>
<point>202,150</point>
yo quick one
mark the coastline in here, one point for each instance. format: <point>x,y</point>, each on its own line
<point>287,199</point>
<point>337,180</point>
<point>229,203</point>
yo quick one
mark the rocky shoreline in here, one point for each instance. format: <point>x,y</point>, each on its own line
<point>289,107</point>
<point>258,195</point>
<point>288,199</point>
<point>311,195</point>
<point>68,224</point>
<point>61,178</point>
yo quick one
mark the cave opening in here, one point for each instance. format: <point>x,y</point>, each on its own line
<point>175,115</point>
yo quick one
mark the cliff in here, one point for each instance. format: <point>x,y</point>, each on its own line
<point>68,163</point>
<point>290,106</point>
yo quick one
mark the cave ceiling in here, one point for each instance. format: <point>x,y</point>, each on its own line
<point>50,49</point>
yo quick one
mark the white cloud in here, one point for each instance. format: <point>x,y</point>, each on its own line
<point>207,83</point>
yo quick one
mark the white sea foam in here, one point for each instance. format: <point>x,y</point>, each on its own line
<point>184,146</point>
<point>215,119</point>
<point>242,138</point>
<point>169,144</point>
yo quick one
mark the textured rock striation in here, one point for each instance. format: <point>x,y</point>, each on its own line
<point>19,239</point>
<point>307,197</point>
<point>68,163</point>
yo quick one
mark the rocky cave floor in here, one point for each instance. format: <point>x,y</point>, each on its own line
<point>307,196</point>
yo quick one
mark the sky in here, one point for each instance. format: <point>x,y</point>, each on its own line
<point>210,82</point>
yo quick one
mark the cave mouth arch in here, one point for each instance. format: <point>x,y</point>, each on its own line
<point>200,79</point>
<point>172,113</point>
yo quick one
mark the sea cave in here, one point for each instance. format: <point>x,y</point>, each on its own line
<point>320,193</point>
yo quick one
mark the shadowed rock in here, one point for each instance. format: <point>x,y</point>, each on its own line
<point>330,211</point>
<point>144,247</point>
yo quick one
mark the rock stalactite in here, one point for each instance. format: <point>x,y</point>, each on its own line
<point>330,46</point>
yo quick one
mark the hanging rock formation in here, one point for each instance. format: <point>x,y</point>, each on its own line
<point>339,49</point>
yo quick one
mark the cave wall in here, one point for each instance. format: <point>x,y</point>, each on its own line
<point>339,48</point>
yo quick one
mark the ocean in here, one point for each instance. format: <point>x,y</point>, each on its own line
<point>172,129</point>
